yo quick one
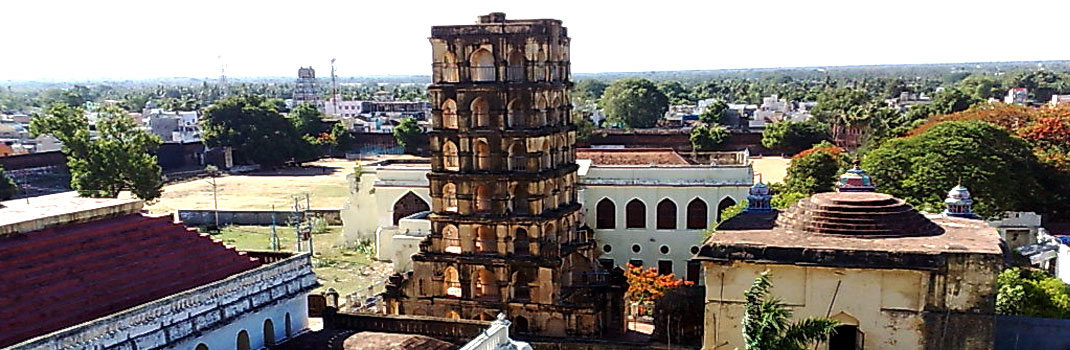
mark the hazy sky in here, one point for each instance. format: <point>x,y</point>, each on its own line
<point>86,39</point>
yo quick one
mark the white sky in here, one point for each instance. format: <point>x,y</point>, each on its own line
<point>85,39</point>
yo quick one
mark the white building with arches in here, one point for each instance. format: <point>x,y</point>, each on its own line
<point>652,199</point>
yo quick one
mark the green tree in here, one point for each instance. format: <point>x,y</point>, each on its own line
<point>794,137</point>
<point>254,128</point>
<point>308,120</point>
<point>1000,169</point>
<point>714,113</point>
<point>1032,293</point>
<point>767,322</point>
<point>8,188</point>
<point>704,137</point>
<point>677,93</point>
<point>589,89</point>
<point>843,106</point>
<point>783,200</point>
<point>981,87</point>
<point>342,138</point>
<point>944,102</point>
<point>815,170</point>
<point>407,134</point>
<point>634,103</point>
<point>584,127</point>
<point>117,160</point>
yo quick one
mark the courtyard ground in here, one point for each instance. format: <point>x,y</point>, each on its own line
<point>347,269</point>
<point>324,180</point>
<point>772,169</point>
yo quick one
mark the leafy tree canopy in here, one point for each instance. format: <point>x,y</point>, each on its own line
<point>589,89</point>
<point>999,168</point>
<point>815,170</point>
<point>705,138</point>
<point>1032,293</point>
<point>793,137</point>
<point>254,128</point>
<point>407,134</point>
<point>677,93</point>
<point>634,103</point>
<point>8,188</point>
<point>715,113</point>
<point>307,119</point>
<point>117,160</point>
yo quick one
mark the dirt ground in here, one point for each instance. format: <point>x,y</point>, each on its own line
<point>324,180</point>
<point>772,169</point>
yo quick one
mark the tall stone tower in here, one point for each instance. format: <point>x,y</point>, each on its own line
<point>506,229</point>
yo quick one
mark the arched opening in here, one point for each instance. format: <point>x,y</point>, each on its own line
<point>450,73</point>
<point>407,205</point>
<point>486,284</point>
<point>515,111</point>
<point>520,199</point>
<point>517,159</point>
<point>243,340</point>
<point>482,65</point>
<point>605,214</point>
<point>666,215</point>
<point>486,242</point>
<point>555,327</point>
<point>269,333</point>
<point>555,111</point>
<point>453,315</point>
<point>520,324</point>
<point>547,160</point>
<point>449,114</point>
<point>449,197</point>
<point>451,239</point>
<point>452,282</point>
<point>541,108</point>
<point>847,336</point>
<point>482,155</point>
<point>450,158</point>
<point>521,244</point>
<point>522,284</point>
<point>515,71</point>
<point>697,214</point>
<point>483,202</point>
<point>487,316</point>
<point>480,112</point>
<point>725,204</point>
<point>548,241</point>
<point>635,214</point>
<point>549,199</point>
<point>201,346</point>
<point>289,328</point>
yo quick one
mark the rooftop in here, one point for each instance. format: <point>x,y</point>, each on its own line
<point>849,230</point>
<point>631,156</point>
<point>66,261</point>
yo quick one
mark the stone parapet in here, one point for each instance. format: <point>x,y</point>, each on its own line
<point>169,320</point>
<point>22,216</point>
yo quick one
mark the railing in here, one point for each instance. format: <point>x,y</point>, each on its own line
<point>522,293</point>
<point>483,204</point>
<point>521,206</point>
<point>515,73</point>
<point>482,73</point>
<point>453,289</point>
<point>482,119</point>
<point>482,162</point>
<point>452,163</point>
<point>522,247</point>
<point>519,163</point>
<point>439,328</point>
<point>486,246</point>
<point>516,119</point>
<point>451,245</point>
<point>590,279</point>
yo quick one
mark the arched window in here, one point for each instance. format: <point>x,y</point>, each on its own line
<point>522,284</point>
<point>725,203</point>
<point>269,333</point>
<point>243,340</point>
<point>449,114</point>
<point>541,108</point>
<point>520,324</point>
<point>486,242</point>
<point>451,239</point>
<point>453,315</point>
<point>635,214</point>
<point>450,73</point>
<point>521,244</point>
<point>515,111</point>
<point>555,111</point>
<point>666,215</point>
<point>547,160</point>
<point>480,112</point>
<point>451,282</point>
<point>486,284</point>
<point>549,199</point>
<point>450,158</point>
<point>482,155</point>
<point>482,64</point>
<point>289,328</point>
<point>483,202</point>
<point>516,66</point>
<point>201,346</point>
<point>407,205</point>
<point>520,199</point>
<point>517,159</point>
<point>697,214</point>
<point>606,216</point>
<point>449,197</point>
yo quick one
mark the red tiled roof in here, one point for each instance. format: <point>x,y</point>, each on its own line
<point>61,276</point>
<point>631,156</point>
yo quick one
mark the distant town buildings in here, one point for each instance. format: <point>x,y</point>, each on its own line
<point>1017,96</point>
<point>172,126</point>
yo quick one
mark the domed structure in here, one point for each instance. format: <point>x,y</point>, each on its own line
<point>856,214</point>
<point>959,204</point>
<point>855,180</point>
<point>758,201</point>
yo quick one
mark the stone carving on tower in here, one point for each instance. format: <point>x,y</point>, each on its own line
<point>507,235</point>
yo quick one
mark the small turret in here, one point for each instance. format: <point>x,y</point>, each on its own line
<point>959,204</point>
<point>855,180</point>
<point>758,201</point>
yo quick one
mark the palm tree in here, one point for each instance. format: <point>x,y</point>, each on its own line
<point>766,324</point>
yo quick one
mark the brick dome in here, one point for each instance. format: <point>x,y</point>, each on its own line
<point>856,214</point>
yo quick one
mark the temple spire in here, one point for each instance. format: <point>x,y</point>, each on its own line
<point>958,203</point>
<point>855,180</point>
<point>759,199</point>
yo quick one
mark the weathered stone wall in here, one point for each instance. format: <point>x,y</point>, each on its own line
<point>458,331</point>
<point>252,217</point>
<point>187,315</point>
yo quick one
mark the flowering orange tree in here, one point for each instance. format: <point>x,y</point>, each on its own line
<point>646,285</point>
